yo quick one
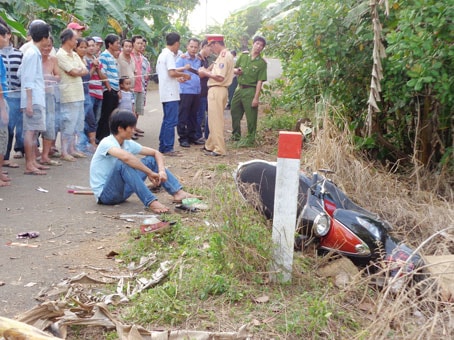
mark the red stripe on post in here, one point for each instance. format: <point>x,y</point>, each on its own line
<point>290,144</point>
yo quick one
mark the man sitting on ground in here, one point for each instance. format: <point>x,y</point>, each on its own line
<point>116,173</point>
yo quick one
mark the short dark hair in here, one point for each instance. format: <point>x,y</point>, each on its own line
<point>39,31</point>
<point>172,38</point>
<point>122,80</point>
<point>135,37</point>
<point>3,22</point>
<point>125,41</point>
<point>194,40</point>
<point>80,41</point>
<point>66,34</point>
<point>89,39</point>
<point>259,38</point>
<point>111,39</point>
<point>121,118</point>
<point>3,30</point>
<point>204,43</point>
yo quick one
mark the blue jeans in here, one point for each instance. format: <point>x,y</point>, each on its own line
<point>97,104</point>
<point>169,122</point>
<point>201,113</point>
<point>15,122</point>
<point>124,181</point>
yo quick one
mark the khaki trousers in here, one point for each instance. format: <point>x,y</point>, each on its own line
<point>217,99</point>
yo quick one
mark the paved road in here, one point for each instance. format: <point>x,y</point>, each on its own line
<point>70,226</point>
<point>74,230</point>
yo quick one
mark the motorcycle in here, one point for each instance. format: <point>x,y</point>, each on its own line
<point>326,215</point>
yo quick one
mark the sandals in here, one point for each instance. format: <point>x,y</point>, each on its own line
<point>8,164</point>
<point>51,162</point>
<point>18,155</point>
<point>68,158</point>
<point>78,155</point>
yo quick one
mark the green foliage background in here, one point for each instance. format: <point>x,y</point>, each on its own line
<point>325,47</point>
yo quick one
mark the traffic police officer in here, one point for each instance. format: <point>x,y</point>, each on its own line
<point>220,77</point>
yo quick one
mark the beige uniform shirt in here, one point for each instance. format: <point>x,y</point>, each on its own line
<point>223,66</point>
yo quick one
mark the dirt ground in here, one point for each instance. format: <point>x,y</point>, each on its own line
<point>76,234</point>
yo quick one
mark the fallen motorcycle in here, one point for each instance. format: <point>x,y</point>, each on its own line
<point>326,215</point>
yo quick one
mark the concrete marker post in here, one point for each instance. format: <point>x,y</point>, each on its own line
<point>285,205</point>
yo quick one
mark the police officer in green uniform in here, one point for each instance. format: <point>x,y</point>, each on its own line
<point>251,71</point>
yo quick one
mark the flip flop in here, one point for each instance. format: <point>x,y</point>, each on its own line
<point>187,208</point>
<point>154,228</point>
<point>78,155</point>
<point>35,173</point>
<point>181,201</point>
<point>54,154</point>
<point>51,162</point>
<point>172,154</point>
<point>11,165</point>
<point>5,178</point>
<point>68,158</point>
<point>18,155</point>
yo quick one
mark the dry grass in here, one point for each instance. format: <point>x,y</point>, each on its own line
<point>422,219</point>
<point>233,248</point>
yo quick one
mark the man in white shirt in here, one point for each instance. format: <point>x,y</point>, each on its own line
<point>169,92</point>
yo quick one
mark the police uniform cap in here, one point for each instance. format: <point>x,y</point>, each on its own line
<point>211,38</point>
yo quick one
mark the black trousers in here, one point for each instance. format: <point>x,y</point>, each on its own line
<point>187,117</point>
<point>109,103</point>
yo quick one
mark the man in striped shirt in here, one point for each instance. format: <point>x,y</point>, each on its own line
<point>12,58</point>
<point>95,84</point>
<point>108,59</point>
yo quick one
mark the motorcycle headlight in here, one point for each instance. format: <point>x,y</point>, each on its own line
<point>321,225</point>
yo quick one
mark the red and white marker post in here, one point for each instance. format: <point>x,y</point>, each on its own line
<point>285,204</point>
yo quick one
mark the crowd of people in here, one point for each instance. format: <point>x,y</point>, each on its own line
<point>70,91</point>
<point>77,91</point>
<point>193,83</point>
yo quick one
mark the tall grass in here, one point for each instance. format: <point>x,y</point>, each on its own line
<point>222,256</point>
<point>398,309</point>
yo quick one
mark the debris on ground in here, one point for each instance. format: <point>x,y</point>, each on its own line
<point>342,270</point>
<point>191,205</point>
<point>28,235</point>
<point>442,269</point>
<point>26,245</point>
<point>80,300</point>
<point>13,329</point>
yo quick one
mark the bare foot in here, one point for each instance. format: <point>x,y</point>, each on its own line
<point>181,195</point>
<point>157,207</point>
<point>4,178</point>
<point>4,184</point>
<point>34,171</point>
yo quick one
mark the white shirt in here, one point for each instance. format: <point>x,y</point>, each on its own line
<point>169,89</point>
